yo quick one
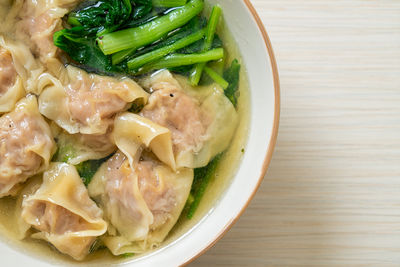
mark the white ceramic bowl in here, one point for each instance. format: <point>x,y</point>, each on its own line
<point>258,59</point>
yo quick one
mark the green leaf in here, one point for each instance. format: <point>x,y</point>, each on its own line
<point>105,15</point>
<point>88,169</point>
<point>202,177</point>
<point>64,154</point>
<point>169,3</point>
<point>81,47</point>
<point>94,18</point>
<point>146,34</point>
<point>231,75</point>
<point>197,47</point>
<point>136,107</point>
<point>193,26</point>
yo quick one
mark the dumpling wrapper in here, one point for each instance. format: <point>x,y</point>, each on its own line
<point>86,103</point>
<point>30,187</point>
<point>160,192</point>
<point>174,103</point>
<point>220,132</point>
<point>63,212</point>
<point>17,64</point>
<point>131,131</point>
<point>11,87</point>
<point>26,66</point>
<point>26,145</point>
<point>180,183</point>
<point>115,188</point>
<point>37,21</point>
<point>77,148</point>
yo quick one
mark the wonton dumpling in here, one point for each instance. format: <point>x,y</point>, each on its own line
<point>202,120</point>
<point>39,20</point>
<point>142,202</point>
<point>165,193</point>
<point>27,68</point>
<point>63,212</point>
<point>131,131</point>
<point>11,88</point>
<point>82,147</point>
<point>219,132</point>
<point>115,187</point>
<point>26,145</point>
<point>87,103</point>
<point>30,187</point>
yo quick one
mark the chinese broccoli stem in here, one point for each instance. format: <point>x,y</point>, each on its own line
<point>168,3</point>
<point>219,66</point>
<point>150,32</point>
<point>216,77</point>
<point>120,56</point>
<point>139,61</point>
<point>177,60</point>
<point>73,21</point>
<point>197,71</point>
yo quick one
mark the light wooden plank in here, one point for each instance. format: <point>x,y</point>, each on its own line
<point>332,194</point>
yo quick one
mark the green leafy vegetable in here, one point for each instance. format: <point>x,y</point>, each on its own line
<point>104,15</point>
<point>108,15</point>
<point>211,28</point>
<point>139,36</point>
<point>135,38</point>
<point>64,153</point>
<point>197,47</point>
<point>202,177</point>
<point>94,18</point>
<point>176,60</point>
<point>169,3</point>
<point>142,9</point>
<point>216,77</point>
<point>145,18</point>
<point>88,169</point>
<point>136,108</point>
<point>195,24</point>
<point>231,75</point>
<point>218,66</point>
<point>83,50</point>
<point>137,62</point>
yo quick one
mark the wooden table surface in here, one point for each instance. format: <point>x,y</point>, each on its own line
<point>331,196</point>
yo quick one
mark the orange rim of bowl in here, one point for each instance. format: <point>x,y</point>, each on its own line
<point>274,135</point>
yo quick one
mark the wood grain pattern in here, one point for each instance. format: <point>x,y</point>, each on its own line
<point>332,194</point>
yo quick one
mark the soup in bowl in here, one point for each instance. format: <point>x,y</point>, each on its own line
<point>131,131</point>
